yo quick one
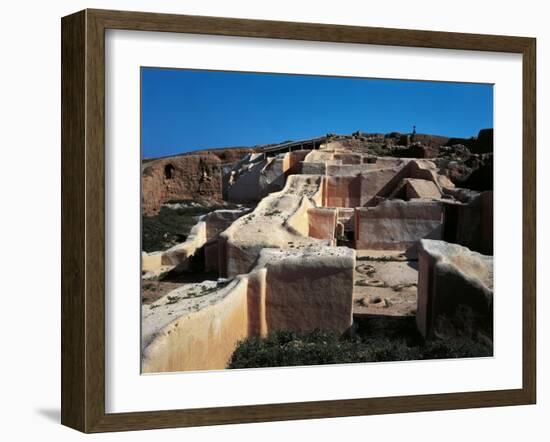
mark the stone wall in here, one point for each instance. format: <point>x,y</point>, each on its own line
<point>342,191</point>
<point>359,185</point>
<point>279,220</point>
<point>471,224</point>
<point>260,176</point>
<point>451,276</point>
<point>417,188</point>
<point>178,255</point>
<point>348,158</point>
<point>299,290</point>
<point>246,186</point>
<point>313,168</point>
<point>272,178</point>
<point>293,161</point>
<point>322,223</point>
<point>151,262</point>
<point>219,220</point>
<point>200,340</point>
<point>308,291</point>
<point>397,225</point>
<point>203,234</point>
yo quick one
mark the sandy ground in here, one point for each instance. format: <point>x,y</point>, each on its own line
<point>153,289</point>
<point>385,284</point>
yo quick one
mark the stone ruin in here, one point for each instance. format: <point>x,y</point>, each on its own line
<point>335,234</point>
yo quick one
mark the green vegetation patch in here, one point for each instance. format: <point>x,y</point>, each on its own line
<point>172,225</point>
<point>286,348</point>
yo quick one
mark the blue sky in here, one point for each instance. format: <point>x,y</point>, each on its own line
<point>185,110</point>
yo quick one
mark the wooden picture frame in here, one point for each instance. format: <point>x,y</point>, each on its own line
<point>83,220</point>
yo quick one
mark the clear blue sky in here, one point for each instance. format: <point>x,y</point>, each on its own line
<point>185,110</point>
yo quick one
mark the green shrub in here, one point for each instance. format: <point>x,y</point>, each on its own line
<point>171,226</point>
<point>286,348</point>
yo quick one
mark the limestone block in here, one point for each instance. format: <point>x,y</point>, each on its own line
<point>346,169</point>
<point>349,158</point>
<point>322,223</point>
<point>257,325</point>
<point>273,176</point>
<point>416,188</point>
<point>279,220</point>
<point>342,191</point>
<point>246,185</point>
<point>180,334</point>
<point>471,224</point>
<point>293,161</point>
<point>450,276</point>
<point>397,225</point>
<point>151,262</point>
<point>308,290</point>
<point>179,255</point>
<point>319,156</point>
<point>313,168</point>
<point>219,220</point>
<point>298,221</point>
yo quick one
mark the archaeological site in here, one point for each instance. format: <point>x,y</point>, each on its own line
<point>338,249</point>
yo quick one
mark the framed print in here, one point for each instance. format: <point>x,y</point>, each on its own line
<point>269,220</point>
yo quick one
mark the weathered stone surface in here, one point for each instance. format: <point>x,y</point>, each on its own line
<point>244,184</point>
<point>272,177</point>
<point>197,328</point>
<point>322,223</point>
<point>348,158</point>
<point>180,178</point>
<point>343,191</point>
<point>227,155</point>
<point>279,220</point>
<point>313,168</point>
<point>396,178</point>
<point>150,262</point>
<point>183,332</point>
<point>397,225</point>
<point>417,188</point>
<point>293,161</point>
<point>451,276</point>
<point>470,223</point>
<point>219,220</point>
<point>204,234</point>
<point>256,294</point>
<point>257,175</point>
<point>287,274</point>
<point>385,287</point>
<point>309,289</point>
<point>179,255</point>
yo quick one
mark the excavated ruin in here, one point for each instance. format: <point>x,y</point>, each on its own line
<point>336,233</point>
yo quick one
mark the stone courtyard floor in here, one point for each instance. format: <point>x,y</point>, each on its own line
<point>385,284</point>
